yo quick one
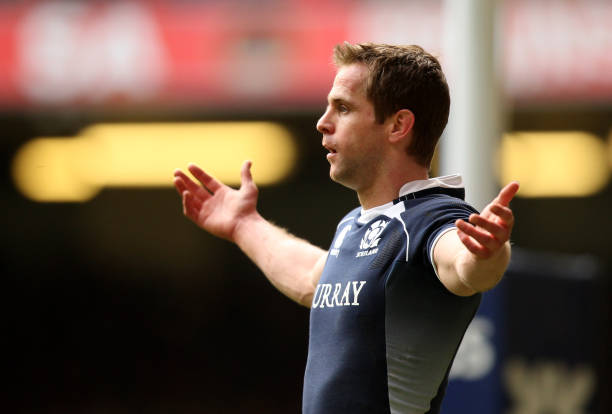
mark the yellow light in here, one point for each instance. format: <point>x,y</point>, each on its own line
<point>45,169</point>
<point>610,149</point>
<point>554,164</point>
<point>145,155</point>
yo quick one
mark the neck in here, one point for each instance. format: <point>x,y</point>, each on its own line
<point>387,188</point>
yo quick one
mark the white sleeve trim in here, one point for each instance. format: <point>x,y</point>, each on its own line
<point>433,246</point>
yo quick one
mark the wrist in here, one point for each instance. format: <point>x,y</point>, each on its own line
<point>246,225</point>
<point>480,273</point>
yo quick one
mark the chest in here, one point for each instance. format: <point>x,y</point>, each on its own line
<point>359,259</point>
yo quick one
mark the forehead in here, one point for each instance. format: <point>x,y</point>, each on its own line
<point>350,80</point>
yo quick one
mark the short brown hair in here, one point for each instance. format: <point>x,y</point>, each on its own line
<point>404,77</point>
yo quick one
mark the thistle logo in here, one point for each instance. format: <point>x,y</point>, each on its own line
<point>370,240</point>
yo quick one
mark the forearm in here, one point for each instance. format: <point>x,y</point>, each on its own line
<point>291,264</point>
<point>481,274</point>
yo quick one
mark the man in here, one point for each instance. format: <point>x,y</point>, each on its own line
<point>391,299</point>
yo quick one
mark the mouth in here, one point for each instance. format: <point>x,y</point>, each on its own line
<point>331,150</point>
<point>331,154</point>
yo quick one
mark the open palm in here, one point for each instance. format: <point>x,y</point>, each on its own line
<point>487,232</point>
<point>214,206</point>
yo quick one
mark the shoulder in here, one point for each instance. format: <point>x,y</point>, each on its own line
<point>444,201</point>
<point>427,218</point>
<point>435,207</point>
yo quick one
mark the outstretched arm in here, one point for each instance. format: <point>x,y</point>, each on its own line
<point>291,264</point>
<point>474,257</point>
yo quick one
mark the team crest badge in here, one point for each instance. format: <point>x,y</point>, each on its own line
<point>372,236</point>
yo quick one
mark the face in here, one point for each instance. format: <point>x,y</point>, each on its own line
<point>350,132</point>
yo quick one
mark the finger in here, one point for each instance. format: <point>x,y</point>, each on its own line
<point>481,236</point>
<point>196,190</point>
<point>180,186</point>
<point>246,178</point>
<point>191,206</point>
<point>207,181</point>
<point>476,248</point>
<point>503,213</point>
<point>507,193</point>
<point>189,183</point>
<point>190,202</point>
<point>498,231</point>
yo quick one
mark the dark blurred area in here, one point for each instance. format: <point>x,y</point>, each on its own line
<point>120,304</point>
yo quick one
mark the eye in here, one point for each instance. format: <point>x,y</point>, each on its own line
<point>343,108</point>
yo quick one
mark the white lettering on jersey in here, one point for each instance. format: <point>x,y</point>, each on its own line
<point>367,252</point>
<point>335,297</point>
<point>345,295</point>
<point>326,290</point>
<point>356,291</point>
<point>339,240</point>
<point>350,290</point>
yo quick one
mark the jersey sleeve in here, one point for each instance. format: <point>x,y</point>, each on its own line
<point>432,219</point>
<point>431,243</point>
<point>444,217</point>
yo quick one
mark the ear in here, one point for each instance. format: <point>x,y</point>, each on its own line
<point>401,126</point>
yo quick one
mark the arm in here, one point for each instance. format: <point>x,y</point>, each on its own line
<point>291,264</point>
<point>474,256</point>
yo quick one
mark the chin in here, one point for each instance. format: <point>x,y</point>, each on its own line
<point>334,177</point>
<point>334,174</point>
<point>342,180</point>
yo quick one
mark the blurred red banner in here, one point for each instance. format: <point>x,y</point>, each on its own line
<point>270,54</point>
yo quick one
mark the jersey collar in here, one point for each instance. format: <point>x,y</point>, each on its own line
<point>446,181</point>
<point>447,184</point>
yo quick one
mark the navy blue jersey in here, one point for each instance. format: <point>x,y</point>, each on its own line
<point>383,328</point>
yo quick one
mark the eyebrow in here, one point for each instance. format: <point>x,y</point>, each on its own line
<point>338,100</point>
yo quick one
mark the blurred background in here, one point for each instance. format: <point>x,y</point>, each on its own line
<point>115,303</point>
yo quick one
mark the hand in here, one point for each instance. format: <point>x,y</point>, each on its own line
<point>214,206</point>
<point>488,232</point>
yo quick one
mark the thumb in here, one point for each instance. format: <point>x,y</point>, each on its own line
<point>245,174</point>
<point>507,193</point>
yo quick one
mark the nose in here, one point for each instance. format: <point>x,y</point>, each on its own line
<point>324,125</point>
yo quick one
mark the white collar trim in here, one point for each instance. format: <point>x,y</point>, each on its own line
<point>367,215</point>
<point>446,181</point>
